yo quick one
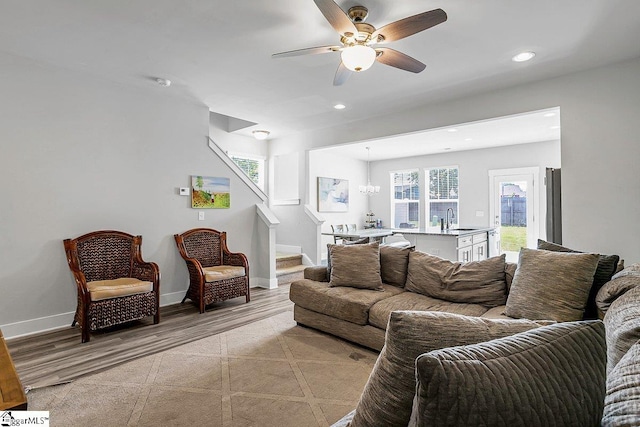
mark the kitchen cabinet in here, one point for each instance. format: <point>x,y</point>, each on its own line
<point>473,247</point>
<point>454,245</point>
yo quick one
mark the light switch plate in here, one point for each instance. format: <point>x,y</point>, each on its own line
<point>200,216</point>
<point>184,191</point>
<point>479,213</point>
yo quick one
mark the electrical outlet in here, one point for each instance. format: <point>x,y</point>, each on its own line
<point>184,191</point>
<point>200,216</point>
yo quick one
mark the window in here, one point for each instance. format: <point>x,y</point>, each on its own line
<point>443,194</point>
<point>405,207</point>
<point>252,166</point>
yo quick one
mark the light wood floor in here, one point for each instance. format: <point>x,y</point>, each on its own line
<point>59,356</point>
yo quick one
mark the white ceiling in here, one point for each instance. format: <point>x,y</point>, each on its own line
<point>536,126</point>
<point>219,52</point>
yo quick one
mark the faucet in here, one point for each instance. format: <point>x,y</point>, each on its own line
<point>452,216</point>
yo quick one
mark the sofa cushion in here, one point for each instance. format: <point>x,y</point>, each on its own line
<point>553,375</point>
<point>623,326</point>
<point>222,272</point>
<point>344,303</point>
<point>619,284</point>
<point>622,400</point>
<point>388,394</point>
<point>380,311</point>
<point>394,262</point>
<point>551,285</point>
<point>356,266</point>
<point>607,265</point>
<point>477,282</point>
<point>123,286</point>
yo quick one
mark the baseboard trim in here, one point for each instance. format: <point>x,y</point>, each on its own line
<point>261,282</point>
<point>35,326</point>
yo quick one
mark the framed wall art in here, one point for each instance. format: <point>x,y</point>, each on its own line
<point>333,195</point>
<point>210,192</point>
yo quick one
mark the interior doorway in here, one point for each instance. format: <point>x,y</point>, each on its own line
<point>514,209</point>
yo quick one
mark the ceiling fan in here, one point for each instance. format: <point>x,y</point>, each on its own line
<point>357,39</point>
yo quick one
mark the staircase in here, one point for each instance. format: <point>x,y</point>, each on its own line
<point>289,268</point>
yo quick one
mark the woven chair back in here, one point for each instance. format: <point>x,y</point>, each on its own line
<point>105,257</point>
<point>205,246</point>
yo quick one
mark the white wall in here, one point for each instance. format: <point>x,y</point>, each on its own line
<point>80,154</point>
<point>473,178</point>
<point>600,128</point>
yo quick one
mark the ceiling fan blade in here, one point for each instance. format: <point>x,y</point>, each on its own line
<point>336,17</point>
<point>399,60</point>
<point>307,51</point>
<point>408,26</point>
<point>342,75</point>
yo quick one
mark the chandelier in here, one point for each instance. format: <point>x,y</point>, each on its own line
<point>369,189</point>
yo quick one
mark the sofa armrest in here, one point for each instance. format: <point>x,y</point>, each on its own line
<point>317,273</point>
<point>619,284</point>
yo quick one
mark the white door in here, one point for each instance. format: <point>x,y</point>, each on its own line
<point>514,208</point>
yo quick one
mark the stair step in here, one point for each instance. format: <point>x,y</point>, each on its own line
<point>284,260</point>
<point>290,274</point>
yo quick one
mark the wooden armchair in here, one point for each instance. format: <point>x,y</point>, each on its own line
<point>114,284</point>
<point>215,273</point>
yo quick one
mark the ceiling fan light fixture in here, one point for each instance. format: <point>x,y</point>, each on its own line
<point>358,58</point>
<point>261,135</point>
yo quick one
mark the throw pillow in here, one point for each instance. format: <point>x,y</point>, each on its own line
<point>356,266</point>
<point>550,376</point>
<point>619,284</point>
<point>477,282</point>
<point>622,400</point>
<point>607,265</point>
<point>393,265</point>
<point>551,285</point>
<point>623,326</point>
<point>388,394</point>
<point>360,241</point>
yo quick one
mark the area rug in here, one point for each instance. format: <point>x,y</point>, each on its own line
<point>268,373</point>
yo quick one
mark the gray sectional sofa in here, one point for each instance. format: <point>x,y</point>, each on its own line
<point>459,347</point>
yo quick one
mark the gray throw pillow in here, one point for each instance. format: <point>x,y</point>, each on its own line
<point>607,265</point>
<point>622,401</point>
<point>551,285</point>
<point>623,326</point>
<point>550,376</point>
<point>388,394</point>
<point>356,266</point>
<point>393,265</point>
<point>478,282</point>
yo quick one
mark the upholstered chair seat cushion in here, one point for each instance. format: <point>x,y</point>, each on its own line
<point>124,286</point>
<point>222,272</point>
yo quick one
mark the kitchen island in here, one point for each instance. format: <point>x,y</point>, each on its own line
<point>456,244</point>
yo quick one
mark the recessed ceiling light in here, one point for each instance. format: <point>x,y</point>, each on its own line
<point>523,56</point>
<point>260,134</point>
<point>339,106</point>
<point>452,130</point>
<point>554,127</point>
<point>468,139</point>
<point>163,82</point>
<point>548,114</point>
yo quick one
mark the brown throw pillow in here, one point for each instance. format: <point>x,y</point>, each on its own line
<point>622,400</point>
<point>551,285</point>
<point>388,394</point>
<point>356,266</point>
<point>393,265</point>
<point>477,282</point>
<point>607,266</point>
<point>550,376</point>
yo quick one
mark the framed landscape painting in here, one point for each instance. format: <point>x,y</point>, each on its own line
<point>210,192</point>
<point>333,195</point>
